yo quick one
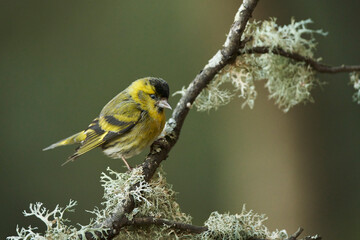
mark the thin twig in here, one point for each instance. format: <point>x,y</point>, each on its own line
<point>296,234</point>
<point>319,67</point>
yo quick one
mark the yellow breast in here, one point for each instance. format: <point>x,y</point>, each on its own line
<point>139,137</point>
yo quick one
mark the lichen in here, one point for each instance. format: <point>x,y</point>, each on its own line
<point>160,203</point>
<point>294,37</point>
<point>288,82</point>
<point>355,81</point>
<point>117,188</point>
<point>153,199</point>
<point>56,224</point>
<point>246,225</point>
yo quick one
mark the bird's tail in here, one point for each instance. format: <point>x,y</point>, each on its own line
<point>76,138</point>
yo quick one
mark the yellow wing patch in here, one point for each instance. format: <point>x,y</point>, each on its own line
<point>101,130</point>
<point>92,141</point>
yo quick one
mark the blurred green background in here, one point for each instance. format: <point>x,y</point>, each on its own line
<point>61,61</point>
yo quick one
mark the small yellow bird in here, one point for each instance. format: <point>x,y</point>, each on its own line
<point>127,124</point>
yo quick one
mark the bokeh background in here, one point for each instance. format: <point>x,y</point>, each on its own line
<point>61,61</point>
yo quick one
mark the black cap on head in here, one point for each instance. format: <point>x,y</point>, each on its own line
<point>161,87</point>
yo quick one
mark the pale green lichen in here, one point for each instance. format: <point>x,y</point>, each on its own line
<point>294,37</point>
<point>288,82</point>
<point>155,199</point>
<point>214,95</point>
<point>246,225</point>
<point>117,188</point>
<point>56,224</point>
<point>355,81</point>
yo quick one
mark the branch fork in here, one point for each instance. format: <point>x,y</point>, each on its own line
<point>232,48</point>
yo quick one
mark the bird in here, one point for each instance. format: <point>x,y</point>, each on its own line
<point>127,124</point>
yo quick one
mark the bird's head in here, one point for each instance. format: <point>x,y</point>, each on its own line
<point>152,93</point>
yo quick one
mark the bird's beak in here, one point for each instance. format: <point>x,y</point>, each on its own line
<point>163,103</point>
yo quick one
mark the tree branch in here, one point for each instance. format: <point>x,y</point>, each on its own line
<point>188,228</point>
<point>299,231</point>
<point>160,149</point>
<point>183,227</point>
<point>319,67</point>
<point>296,235</point>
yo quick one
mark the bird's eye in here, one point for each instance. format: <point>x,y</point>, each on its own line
<point>152,96</point>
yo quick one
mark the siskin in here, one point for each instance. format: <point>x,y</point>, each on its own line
<point>127,124</point>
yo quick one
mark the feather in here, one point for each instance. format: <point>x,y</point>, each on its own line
<point>107,127</point>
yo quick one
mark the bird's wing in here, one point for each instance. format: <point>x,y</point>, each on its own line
<point>109,125</point>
